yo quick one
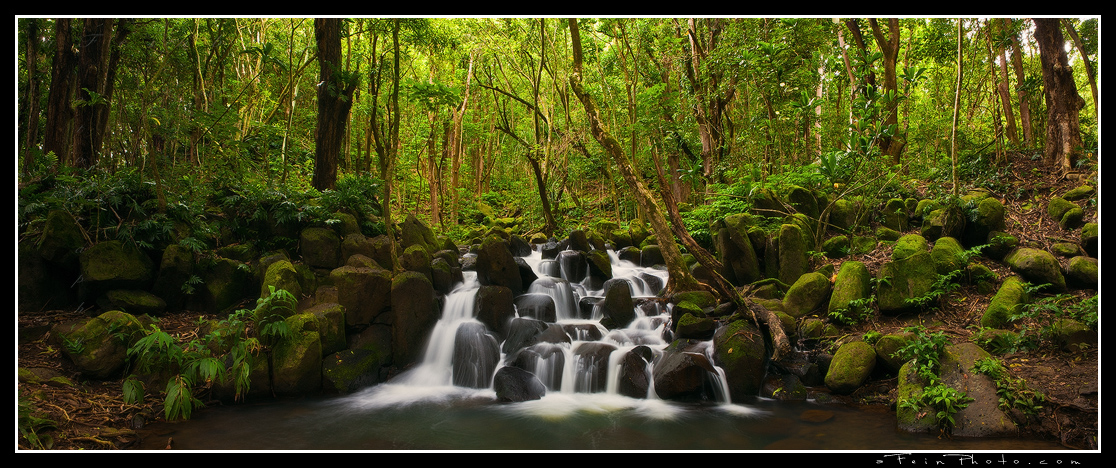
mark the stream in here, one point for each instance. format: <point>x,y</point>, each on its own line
<point>422,409</point>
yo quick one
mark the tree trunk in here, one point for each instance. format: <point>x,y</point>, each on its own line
<point>30,119</point>
<point>1002,87</point>
<point>1084,60</point>
<point>889,45</point>
<point>1020,90</point>
<point>335,98</point>
<point>679,278</point>
<point>91,68</point>
<point>1063,132</point>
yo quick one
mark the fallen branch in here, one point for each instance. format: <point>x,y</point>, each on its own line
<point>779,340</point>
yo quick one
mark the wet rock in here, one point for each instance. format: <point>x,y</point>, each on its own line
<point>852,364</point>
<point>475,356</point>
<point>513,384</point>
<point>635,376</point>
<point>853,283</point>
<point>739,349</point>
<point>414,311</point>
<point>681,374</point>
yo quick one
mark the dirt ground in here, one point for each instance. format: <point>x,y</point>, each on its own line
<point>92,414</point>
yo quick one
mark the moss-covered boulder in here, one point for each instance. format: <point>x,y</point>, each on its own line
<point>61,239</point>
<point>114,265</point>
<point>496,266</point>
<point>694,327</point>
<point>803,201</point>
<point>853,283</point>
<point>999,245</point>
<point>900,281</point>
<point>982,417</point>
<point>414,311</point>
<point>349,370</point>
<point>320,247</point>
<point>98,346</point>
<point>1079,193</point>
<point>948,255</point>
<point>766,203</point>
<point>376,248</point>
<point>282,275</point>
<point>637,230</point>
<point>986,217</point>
<point>1057,207</point>
<point>1083,272</point>
<point>1073,219</point>
<point>807,294</point>
<point>297,360</point>
<point>851,365</point>
<point>1037,266</point>
<point>836,246</point>
<point>793,259</point>
<point>888,352</point>
<point>733,244</point>
<point>228,283</point>
<point>1007,302</point>
<point>417,258</point>
<point>739,350</point>
<point>908,245</point>
<point>173,278</point>
<point>330,325</point>
<point>415,232</point>
<point>948,221</point>
<point>885,233</point>
<point>894,215</point>
<point>1090,235</point>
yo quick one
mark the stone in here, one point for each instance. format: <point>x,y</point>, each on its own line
<point>1037,267</point>
<point>739,350</point>
<point>513,384</point>
<point>807,294</point>
<point>852,364</point>
<point>414,311</point>
<point>320,247</point>
<point>948,255</point>
<point>853,283</point>
<point>1006,303</point>
<point>793,260</point>
<point>1083,272</point>
<point>899,281</point>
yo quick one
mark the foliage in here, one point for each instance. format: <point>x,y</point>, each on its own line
<point>194,365</point>
<point>1013,392</point>
<point>32,425</point>
<point>926,351</point>
<point>856,311</point>
<point>1038,321</point>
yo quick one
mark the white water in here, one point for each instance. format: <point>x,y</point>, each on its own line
<point>431,380</point>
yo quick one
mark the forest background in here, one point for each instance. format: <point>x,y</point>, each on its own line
<point>456,119</point>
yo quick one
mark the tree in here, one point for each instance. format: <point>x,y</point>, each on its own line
<point>385,129</point>
<point>888,42</point>
<point>680,278</point>
<point>335,98</point>
<point>1063,129</point>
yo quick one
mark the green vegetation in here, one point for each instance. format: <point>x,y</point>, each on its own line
<point>926,351</point>
<point>1014,393</point>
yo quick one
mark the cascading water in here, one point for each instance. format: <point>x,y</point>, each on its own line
<point>586,370</point>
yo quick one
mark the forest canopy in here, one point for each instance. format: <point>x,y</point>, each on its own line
<point>455,120</point>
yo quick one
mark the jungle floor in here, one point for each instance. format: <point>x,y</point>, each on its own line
<point>92,415</point>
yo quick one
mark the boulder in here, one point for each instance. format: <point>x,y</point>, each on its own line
<point>349,370</point>
<point>853,283</point>
<point>329,322</point>
<point>414,232</point>
<point>1090,235</point>
<point>537,306</point>
<point>899,281</point>
<point>497,267</point>
<point>590,360</point>
<point>690,326</point>
<point>807,294</point>
<point>888,351</point>
<point>793,259</point>
<point>228,283</point>
<point>987,217</point>
<point>895,215</point>
<point>495,308</point>
<point>513,384</point>
<point>98,346</point>
<point>113,265</point>
<point>320,247</point>
<point>617,308</point>
<point>1006,303</point>
<point>803,201</point>
<point>682,372</point>
<point>296,362</point>
<point>1083,272</point>
<point>281,275</point>
<point>61,239</point>
<point>172,280</point>
<point>948,255</point>
<point>739,350</point>
<point>364,292</point>
<point>414,311</point>
<point>475,355</point>
<point>635,374</point>
<point>982,417</point>
<point>734,247</point>
<point>852,364</point>
<point>133,301</point>
<point>1037,266</point>
<point>944,222</point>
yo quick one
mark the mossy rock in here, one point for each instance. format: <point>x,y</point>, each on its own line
<point>320,247</point>
<point>114,265</point>
<point>297,360</point>
<point>1057,207</point>
<point>803,201</point>
<point>888,351</point>
<point>986,217</point>
<point>98,346</point>
<point>739,349</point>
<point>1007,302</point>
<point>909,245</point>
<point>766,203</point>
<point>836,246</point>
<point>1079,193</point>
<point>1065,249</point>
<point>793,259</point>
<point>282,275</point>
<point>1072,219</point>
<point>691,326</point>
<point>853,283</point>
<point>1037,266</point>
<point>861,245</point>
<point>815,329</point>
<point>900,281</point>
<point>61,239</point>
<point>133,301</point>
<point>330,324</point>
<point>1083,272</point>
<point>885,233</point>
<point>948,255</point>
<point>1000,244</point>
<point>851,365</point>
<point>807,294</point>
<point>944,222</point>
<point>895,215</point>
<point>1090,235</point>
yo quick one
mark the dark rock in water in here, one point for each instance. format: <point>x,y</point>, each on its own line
<point>635,375</point>
<point>414,311</point>
<point>739,349</point>
<point>785,387</point>
<point>591,366</point>
<point>650,256</point>
<point>683,375</point>
<point>522,332</point>
<point>653,282</point>
<point>495,308</point>
<point>526,274</point>
<point>518,246</point>
<point>537,306</point>
<point>513,384</point>
<point>573,266</point>
<point>546,361</point>
<point>475,356</point>
<point>617,308</point>
<point>586,305</point>
<point>629,254</point>
<point>582,332</point>
<point>497,267</point>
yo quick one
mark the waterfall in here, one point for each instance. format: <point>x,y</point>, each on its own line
<point>590,365</point>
